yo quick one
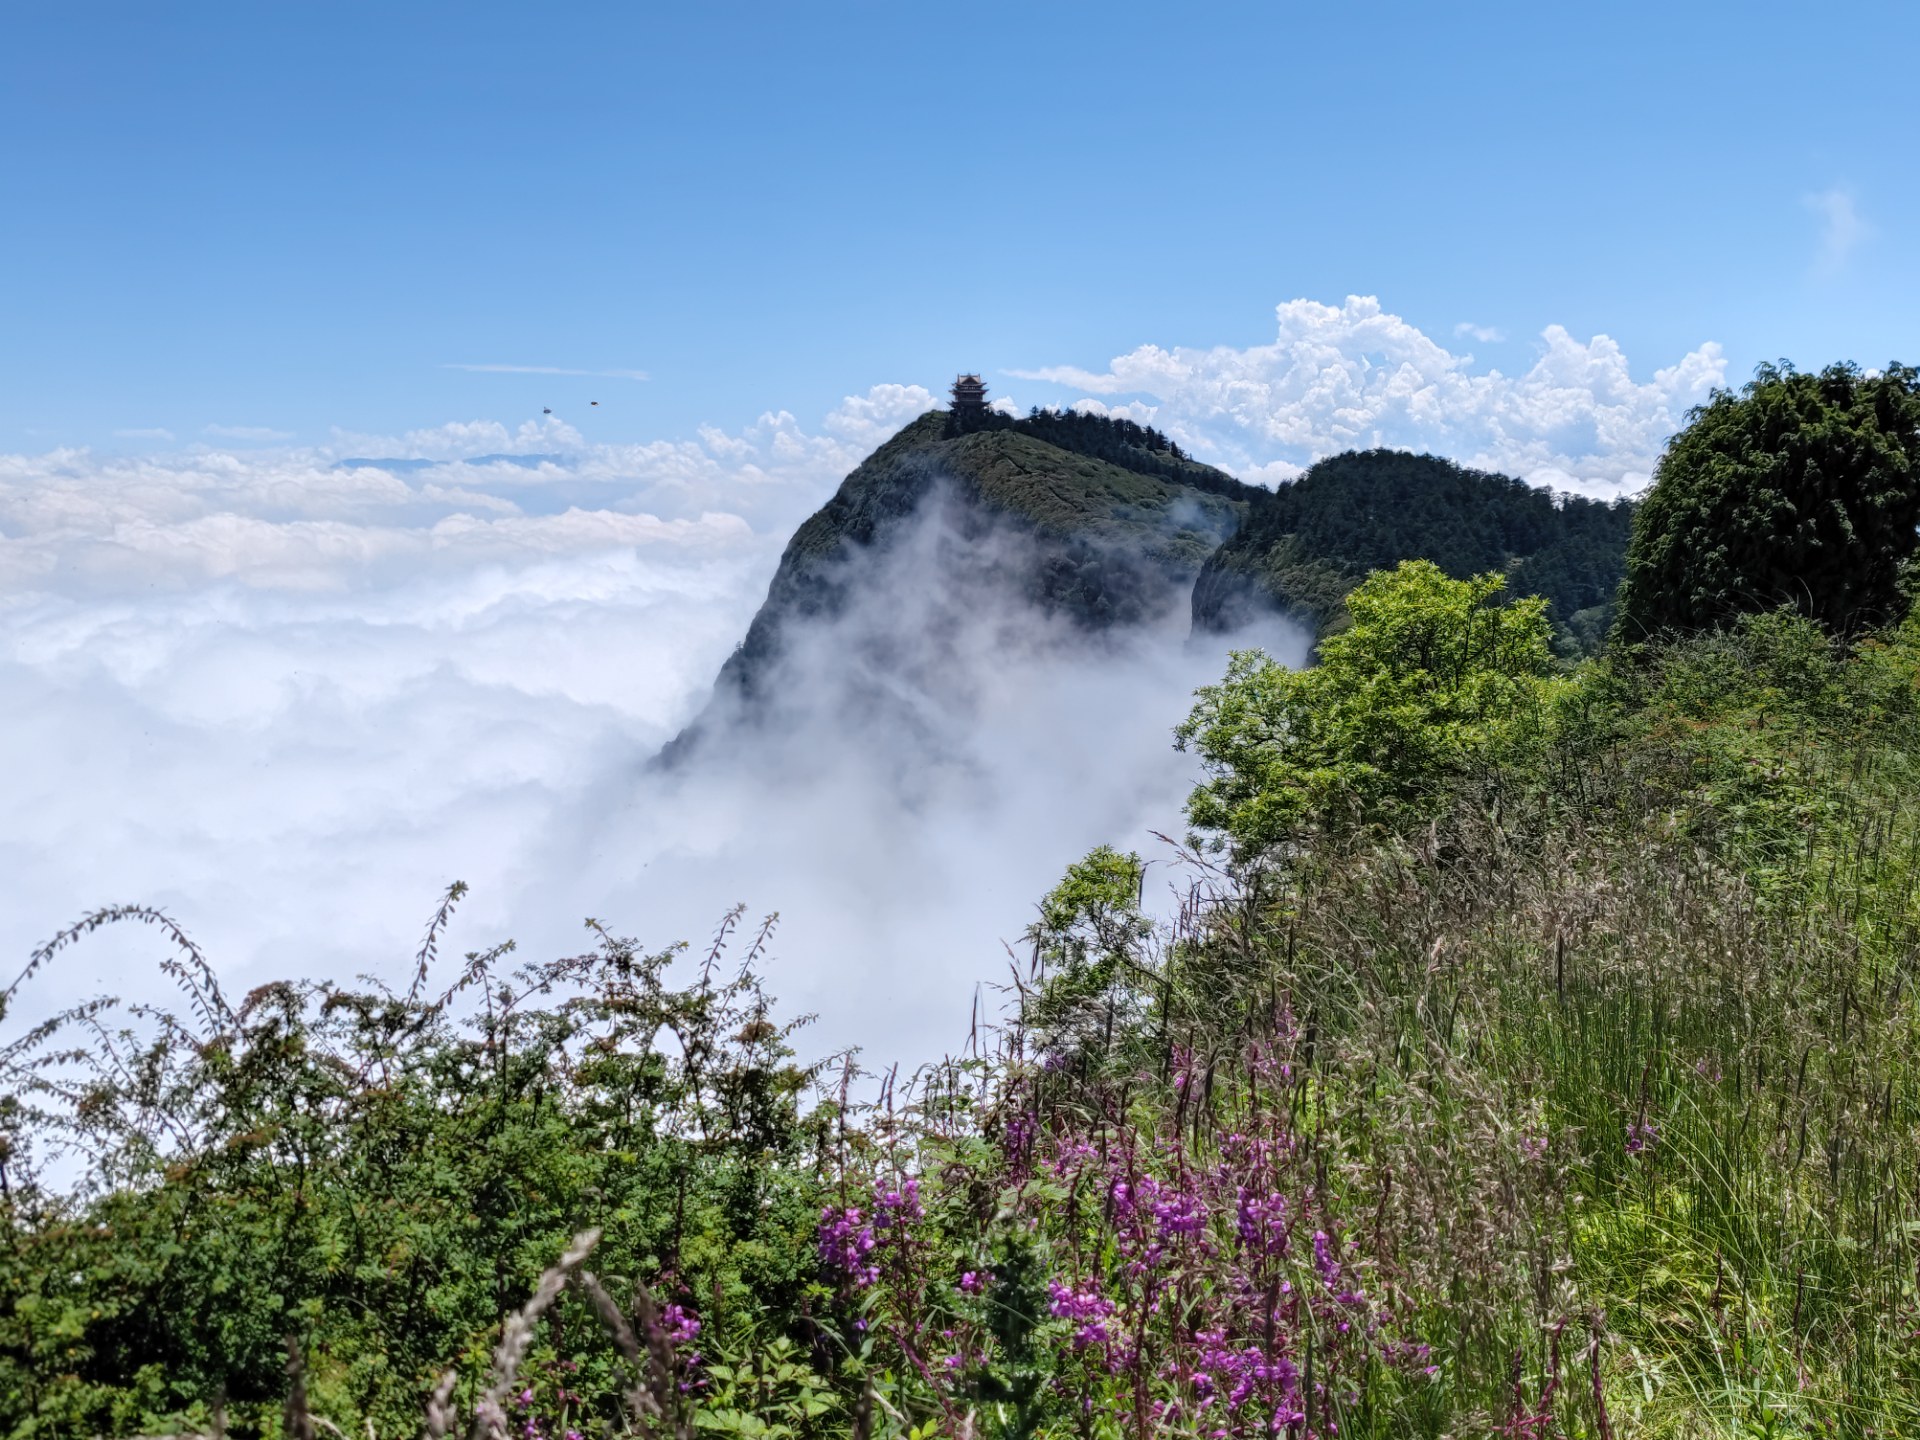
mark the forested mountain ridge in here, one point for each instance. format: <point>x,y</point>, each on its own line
<point>1107,523</point>
<point>1305,545</point>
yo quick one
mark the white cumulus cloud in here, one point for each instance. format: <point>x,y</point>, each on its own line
<point>292,691</point>
<point>1355,376</point>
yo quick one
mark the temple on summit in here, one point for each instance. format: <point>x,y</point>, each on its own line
<point>969,395</point>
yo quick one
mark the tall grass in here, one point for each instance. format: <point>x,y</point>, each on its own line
<point>1679,979</point>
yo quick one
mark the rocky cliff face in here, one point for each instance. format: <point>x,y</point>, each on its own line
<point>1070,521</point>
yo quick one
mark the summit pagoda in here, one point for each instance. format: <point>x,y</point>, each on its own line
<point>969,395</point>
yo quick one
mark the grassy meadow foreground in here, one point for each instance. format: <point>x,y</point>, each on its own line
<point>1530,1056</point>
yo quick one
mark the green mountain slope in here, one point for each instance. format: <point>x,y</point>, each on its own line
<point>1099,522</point>
<point>1304,546</point>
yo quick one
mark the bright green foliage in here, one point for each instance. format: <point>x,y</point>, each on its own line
<point>1433,679</point>
<point>1739,703</point>
<point>1097,889</point>
<point>772,1395</point>
<point>1802,490</point>
<point>1088,924</point>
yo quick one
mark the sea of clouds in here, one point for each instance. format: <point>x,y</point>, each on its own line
<point>289,693</point>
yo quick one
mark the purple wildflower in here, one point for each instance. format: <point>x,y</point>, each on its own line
<point>898,1206</point>
<point>1324,1260</point>
<point>679,1324</point>
<point>1089,1307</point>
<point>1179,1213</point>
<point>1263,1222</point>
<point>846,1242</point>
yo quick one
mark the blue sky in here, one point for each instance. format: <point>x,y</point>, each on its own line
<point>286,218</point>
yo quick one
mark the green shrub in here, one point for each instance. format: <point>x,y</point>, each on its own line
<point>1434,678</point>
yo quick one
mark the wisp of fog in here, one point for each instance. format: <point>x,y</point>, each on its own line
<point>926,763</point>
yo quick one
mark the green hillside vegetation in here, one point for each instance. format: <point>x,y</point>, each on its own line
<point>1305,545</point>
<point>1060,478</point>
<point>1526,1051</point>
<point>1114,439</point>
<point>1110,524</point>
<point>1065,493</point>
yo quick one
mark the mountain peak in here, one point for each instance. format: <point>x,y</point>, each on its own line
<point>1093,522</point>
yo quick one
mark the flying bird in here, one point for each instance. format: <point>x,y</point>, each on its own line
<point>548,410</point>
<point>593,402</point>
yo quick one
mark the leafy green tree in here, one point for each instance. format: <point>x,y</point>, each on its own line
<point>1090,925</point>
<point>1802,490</point>
<point>1434,677</point>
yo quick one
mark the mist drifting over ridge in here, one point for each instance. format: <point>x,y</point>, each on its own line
<point>289,697</point>
<point>929,760</point>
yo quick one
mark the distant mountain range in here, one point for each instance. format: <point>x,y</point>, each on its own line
<point>1102,525</point>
